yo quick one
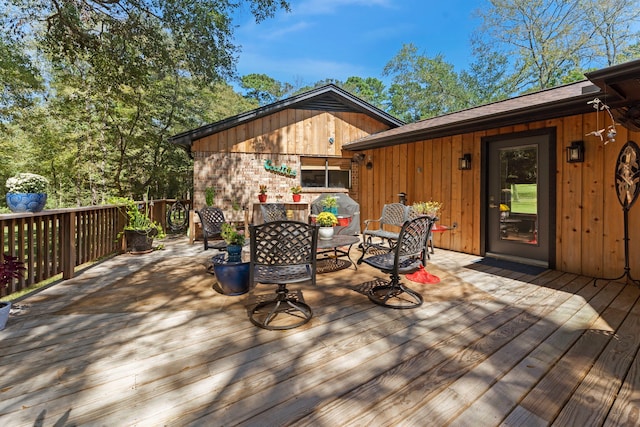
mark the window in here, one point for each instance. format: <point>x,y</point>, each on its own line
<point>327,172</point>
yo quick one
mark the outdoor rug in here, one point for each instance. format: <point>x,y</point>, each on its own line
<point>508,265</point>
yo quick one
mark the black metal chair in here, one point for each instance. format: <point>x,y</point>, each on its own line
<point>211,220</point>
<point>409,253</point>
<point>393,214</point>
<point>273,212</point>
<point>282,252</point>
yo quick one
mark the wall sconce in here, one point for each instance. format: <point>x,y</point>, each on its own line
<point>369,164</point>
<point>575,152</point>
<point>464,162</point>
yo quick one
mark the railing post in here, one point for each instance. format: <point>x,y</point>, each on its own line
<point>68,244</point>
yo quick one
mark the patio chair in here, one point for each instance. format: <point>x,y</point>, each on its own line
<point>211,220</point>
<point>282,252</point>
<point>273,212</point>
<point>394,214</point>
<point>408,255</point>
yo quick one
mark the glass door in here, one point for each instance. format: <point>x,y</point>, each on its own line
<point>518,199</point>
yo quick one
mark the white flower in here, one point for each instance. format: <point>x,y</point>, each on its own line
<point>27,183</point>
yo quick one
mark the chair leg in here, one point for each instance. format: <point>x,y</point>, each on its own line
<point>395,295</point>
<point>283,312</point>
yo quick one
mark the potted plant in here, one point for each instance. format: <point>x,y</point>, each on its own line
<point>231,273</point>
<point>326,221</point>
<point>295,191</point>
<point>209,196</point>
<point>330,204</point>
<point>430,208</point>
<point>234,240</point>
<point>10,268</point>
<point>263,193</point>
<point>27,192</point>
<point>140,229</point>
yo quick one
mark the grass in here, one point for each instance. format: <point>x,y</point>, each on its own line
<point>524,198</point>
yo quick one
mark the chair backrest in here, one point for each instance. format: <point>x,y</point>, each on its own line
<point>273,212</point>
<point>284,243</point>
<point>211,219</point>
<point>413,239</point>
<point>395,214</point>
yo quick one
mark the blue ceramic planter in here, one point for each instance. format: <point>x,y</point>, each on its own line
<point>233,277</point>
<point>26,202</point>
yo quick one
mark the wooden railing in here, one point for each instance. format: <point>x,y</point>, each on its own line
<point>54,242</point>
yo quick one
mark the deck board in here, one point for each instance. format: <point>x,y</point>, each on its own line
<point>147,341</point>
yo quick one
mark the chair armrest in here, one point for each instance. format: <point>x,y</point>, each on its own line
<point>369,221</point>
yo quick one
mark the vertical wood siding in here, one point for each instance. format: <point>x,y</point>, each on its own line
<point>302,132</point>
<point>589,227</point>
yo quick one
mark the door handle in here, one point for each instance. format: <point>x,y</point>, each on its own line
<point>493,206</point>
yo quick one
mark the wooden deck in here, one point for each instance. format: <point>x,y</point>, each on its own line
<point>147,341</point>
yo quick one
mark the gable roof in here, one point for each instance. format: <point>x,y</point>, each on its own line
<point>325,98</point>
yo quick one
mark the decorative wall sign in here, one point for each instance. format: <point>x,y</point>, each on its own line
<point>282,169</point>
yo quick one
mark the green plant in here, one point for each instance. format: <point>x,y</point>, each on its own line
<point>330,202</point>
<point>231,235</point>
<point>263,189</point>
<point>430,208</point>
<point>138,219</point>
<point>296,190</point>
<point>209,195</point>
<point>27,183</point>
<point>326,219</point>
<point>10,268</point>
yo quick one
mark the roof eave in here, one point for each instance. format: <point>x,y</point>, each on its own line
<point>570,106</point>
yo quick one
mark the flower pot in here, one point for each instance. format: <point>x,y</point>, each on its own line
<point>333,210</point>
<point>296,197</point>
<point>235,253</point>
<point>26,202</point>
<point>262,198</point>
<point>5,309</point>
<point>233,278</point>
<point>140,241</point>
<point>325,233</point>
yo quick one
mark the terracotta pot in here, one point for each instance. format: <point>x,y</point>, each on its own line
<point>262,198</point>
<point>296,197</point>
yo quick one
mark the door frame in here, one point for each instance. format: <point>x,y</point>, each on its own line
<point>551,158</point>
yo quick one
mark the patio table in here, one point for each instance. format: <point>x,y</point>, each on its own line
<point>335,246</point>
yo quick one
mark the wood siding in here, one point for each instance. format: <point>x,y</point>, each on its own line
<point>589,233</point>
<point>302,132</point>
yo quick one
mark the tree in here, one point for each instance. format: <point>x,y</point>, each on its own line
<point>423,87</point>
<point>369,89</point>
<point>264,89</point>
<point>612,22</point>
<point>126,39</point>
<point>20,80</point>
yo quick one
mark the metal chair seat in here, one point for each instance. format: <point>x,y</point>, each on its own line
<point>407,256</point>
<point>393,214</point>
<point>282,252</point>
<point>277,274</point>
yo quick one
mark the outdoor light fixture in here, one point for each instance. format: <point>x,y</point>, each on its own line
<point>369,164</point>
<point>464,162</point>
<point>575,152</point>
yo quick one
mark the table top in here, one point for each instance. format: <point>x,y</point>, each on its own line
<point>338,240</point>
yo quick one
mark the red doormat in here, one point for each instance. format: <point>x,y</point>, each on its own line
<point>423,276</point>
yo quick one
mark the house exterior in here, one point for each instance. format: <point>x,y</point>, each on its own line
<point>297,141</point>
<point>521,143</point>
<point>520,199</point>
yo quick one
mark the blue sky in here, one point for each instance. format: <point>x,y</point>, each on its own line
<point>336,39</point>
